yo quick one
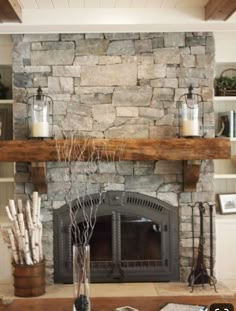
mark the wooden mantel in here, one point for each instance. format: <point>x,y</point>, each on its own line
<point>116,149</point>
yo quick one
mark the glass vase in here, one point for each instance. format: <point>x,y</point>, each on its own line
<point>81,278</point>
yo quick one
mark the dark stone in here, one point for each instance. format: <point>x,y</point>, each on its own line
<point>23,80</point>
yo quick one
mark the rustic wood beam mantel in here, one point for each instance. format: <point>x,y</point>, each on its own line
<point>219,9</point>
<point>115,149</point>
<point>10,11</point>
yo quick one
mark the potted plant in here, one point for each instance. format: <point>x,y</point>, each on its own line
<point>24,240</point>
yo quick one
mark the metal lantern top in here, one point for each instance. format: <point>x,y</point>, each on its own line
<point>191,114</point>
<point>39,115</point>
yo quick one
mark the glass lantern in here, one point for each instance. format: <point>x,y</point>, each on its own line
<point>39,115</point>
<point>191,118</point>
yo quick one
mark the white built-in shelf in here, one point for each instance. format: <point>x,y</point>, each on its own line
<point>6,179</point>
<point>224,98</point>
<point>225,176</point>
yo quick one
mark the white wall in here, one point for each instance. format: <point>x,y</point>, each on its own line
<point>5,50</point>
<point>225,43</point>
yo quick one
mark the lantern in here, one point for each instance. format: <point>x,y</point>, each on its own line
<point>191,114</point>
<point>39,115</point>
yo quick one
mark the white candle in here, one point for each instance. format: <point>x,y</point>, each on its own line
<point>190,128</point>
<point>40,129</point>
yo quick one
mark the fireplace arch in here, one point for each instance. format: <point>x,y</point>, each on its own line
<point>138,236</point>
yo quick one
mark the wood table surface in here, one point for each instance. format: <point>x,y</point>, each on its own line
<point>109,304</point>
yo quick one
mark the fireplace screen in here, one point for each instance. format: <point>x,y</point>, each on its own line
<point>135,241</point>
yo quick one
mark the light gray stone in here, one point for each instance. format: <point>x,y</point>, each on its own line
<point>36,69</point>
<point>86,60</point>
<point>60,85</point>
<point>163,94</point>
<point>198,50</point>
<point>73,122</point>
<point>95,99</point>
<point>125,47</point>
<point>124,168</point>
<point>114,187</point>
<point>91,46</point>
<point>92,90</point>
<point>66,71</point>
<point>106,167</point>
<point>149,71</point>
<point>143,46</point>
<point>185,82</point>
<point>53,57</point>
<point>71,36</point>
<point>131,131</point>
<point>132,96</point>
<point>145,59</point>
<point>152,113</point>
<point>118,74</point>
<point>162,131</point>
<point>174,39</point>
<point>158,42</point>
<point>205,61</point>
<point>168,197</point>
<point>127,111</point>
<point>171,71</point>
<point>53,46</point>
<point>40,37</point>
<point>188,61</point>
<point>150,182</point>
<point>166,83</point>
<point>170,187</point>
<point>109,60</point>
<point>195,41</point>
<point>94,36</point>
<point>150,35</point>
<point>121,36</point>
<point>167,56</point>
<point>40,81</point>
<point>104,113</point>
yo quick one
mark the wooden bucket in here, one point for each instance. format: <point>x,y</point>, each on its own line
<point>29,280</point>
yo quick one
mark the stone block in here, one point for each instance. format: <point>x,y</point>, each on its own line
<point>195,41</point>
<point>127,111</point>
<point>66,71</point>
<point>150,182</point>
<point>94,90</point>
<point>150,35</point>
<point>125,47</point>
<point>145,59</point>
<point>109,60</point>
<point>38,69</point>
<point>200,50</point>
<point>143,46</point>
<point>53,46</point>
<point>132,96</point>
<point>106,167</point>
<point>152,113</point>
<point>60,85</point>
<point>95,99</point>
<point>86,60</point>
<point>163,94</point>
<point>23,80</point>
<point>158,42</point>
<point>168,167</point>
<point>124,168</point>
<point>91,46</point>
<point>174,39</point>
<point>162,131</point>
<point>171,71</point>
<point>166,83</point>
<point>167,56</point>
<point>72,36</point>
<point>185,82</point>
<point>168,197</point>
<point>150,71</point>
<point>188,61</point>
<point>205,61</point>
<point>94,36</point>
<point>118,74</point>
<point>210,45</point>
<point>52,57</point>
<point>122,36</point>
<point>41,37</point>
<point>130,131</point>
<point>104,113</point>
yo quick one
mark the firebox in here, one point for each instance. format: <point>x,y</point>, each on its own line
<point>135,239</point>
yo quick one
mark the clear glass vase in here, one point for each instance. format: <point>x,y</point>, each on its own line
<point>81,278</point>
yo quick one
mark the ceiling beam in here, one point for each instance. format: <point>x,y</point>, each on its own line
<point>219,9</point>
<point>10,11</point>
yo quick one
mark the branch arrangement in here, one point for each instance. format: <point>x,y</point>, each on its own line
<point>24,236</point>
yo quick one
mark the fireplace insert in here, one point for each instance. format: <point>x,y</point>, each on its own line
<point>135,239</point>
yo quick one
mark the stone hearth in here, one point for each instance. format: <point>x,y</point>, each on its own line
<point>117,85</point>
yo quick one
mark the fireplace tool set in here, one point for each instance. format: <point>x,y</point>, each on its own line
<point>199,273</point>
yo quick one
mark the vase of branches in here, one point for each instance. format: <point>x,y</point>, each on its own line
<point>24,239</point>
<point>81,277</point>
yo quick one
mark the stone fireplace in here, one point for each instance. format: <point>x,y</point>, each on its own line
<point>118,85</point>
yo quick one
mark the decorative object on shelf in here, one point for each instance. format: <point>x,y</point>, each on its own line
<point>81,277</point>
<point>227,203</point>
<point>39,115</point>
<point>191,114</point>
<point>3,89</point>
<point>199,273</point>
<point>24,240</point>
<point>225,85</point>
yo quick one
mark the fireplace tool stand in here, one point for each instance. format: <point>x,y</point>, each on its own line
<point>199,273</point>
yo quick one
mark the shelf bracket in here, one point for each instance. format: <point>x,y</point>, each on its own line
<point>39,176</point>
<point>191,175</point>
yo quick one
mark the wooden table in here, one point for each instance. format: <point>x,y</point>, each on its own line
<point>109,304</point>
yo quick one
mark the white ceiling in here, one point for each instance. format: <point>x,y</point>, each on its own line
<point>75,16</point>
<point>58,4</point>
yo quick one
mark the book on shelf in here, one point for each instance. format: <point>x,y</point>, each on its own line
<point>227,124</point>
